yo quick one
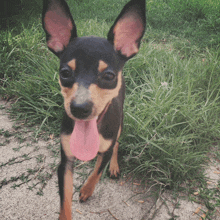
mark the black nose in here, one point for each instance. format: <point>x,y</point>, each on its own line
<point>82,110</point>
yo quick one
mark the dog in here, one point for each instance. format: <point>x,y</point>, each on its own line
<point>93,89</point>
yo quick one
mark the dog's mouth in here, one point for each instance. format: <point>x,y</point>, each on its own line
<point>84,140</point>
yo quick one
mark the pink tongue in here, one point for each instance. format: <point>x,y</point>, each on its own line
<point>84,140</point>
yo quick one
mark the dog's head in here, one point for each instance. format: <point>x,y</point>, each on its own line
<point>91,67</point>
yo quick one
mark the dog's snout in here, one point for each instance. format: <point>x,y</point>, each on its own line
<point>82,110</point>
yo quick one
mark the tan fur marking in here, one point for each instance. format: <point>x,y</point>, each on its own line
<point>68,95</point>
<point>88,188</point>
<point>119,132</point>
<point>65,140</point>
<point>72,64</point>
<point>114,168</point>
<point>66,210</point>
<point>102,66</point>
<point>104,144</point>
<point>101,97</point>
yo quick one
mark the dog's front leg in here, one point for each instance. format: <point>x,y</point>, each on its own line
<point>65,179</point>
<point>88,188</point>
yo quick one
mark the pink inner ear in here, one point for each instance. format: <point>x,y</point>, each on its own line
<point>59,27</point>
<point>126,33</point>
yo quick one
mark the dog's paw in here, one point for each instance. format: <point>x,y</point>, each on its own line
<point>85,192</point>
<point>114,170</point>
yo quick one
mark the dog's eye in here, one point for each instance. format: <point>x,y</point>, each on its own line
<point>109,76</point>
<point>65,74</point>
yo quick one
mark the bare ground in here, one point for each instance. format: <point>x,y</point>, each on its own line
<point>29,188</point>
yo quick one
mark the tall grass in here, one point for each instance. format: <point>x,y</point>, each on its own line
<point>29,76</point>
<point>198,21</point>
<point>172,113</point>
<point>172,104</point>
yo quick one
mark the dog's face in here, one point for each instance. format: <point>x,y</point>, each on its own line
<point>91,67</point>
<point>90,77</point>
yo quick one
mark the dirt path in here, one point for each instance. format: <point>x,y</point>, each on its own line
<point>29,189</point>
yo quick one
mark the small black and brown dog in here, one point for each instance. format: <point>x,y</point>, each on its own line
<point>93,88</point>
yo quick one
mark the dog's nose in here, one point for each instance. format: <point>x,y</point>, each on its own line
<point>82,110</point>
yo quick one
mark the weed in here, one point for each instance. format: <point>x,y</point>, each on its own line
<point>7,134</point>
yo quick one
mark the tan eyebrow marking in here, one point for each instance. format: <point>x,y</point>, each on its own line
<point>72,64</point>
<point>102,66</point>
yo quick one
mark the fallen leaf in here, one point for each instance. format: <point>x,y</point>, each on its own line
<point>126,203</point>
<point>136,184</point>
<point>196,193</point>
<point>202,216</point>
<point>78,211</point>
<point>197,210</point>
<point>216,172</point>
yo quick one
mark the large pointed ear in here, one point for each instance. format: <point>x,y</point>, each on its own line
<point>128,29</point>
<point>58,25</point>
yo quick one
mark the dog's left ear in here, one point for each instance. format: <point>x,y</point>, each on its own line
<point>128,29</point>
<point>58,24</point>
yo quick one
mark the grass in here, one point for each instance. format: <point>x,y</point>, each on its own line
<point>173,84</point>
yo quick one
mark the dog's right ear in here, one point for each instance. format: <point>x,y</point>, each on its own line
<point>58,24</point>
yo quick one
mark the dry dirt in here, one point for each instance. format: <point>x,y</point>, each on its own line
<point>26,170</point>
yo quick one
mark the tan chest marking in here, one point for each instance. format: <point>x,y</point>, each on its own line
<point>104,144</point>
<point>65,140</point>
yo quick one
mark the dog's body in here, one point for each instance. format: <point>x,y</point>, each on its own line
<point>93,88</point>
